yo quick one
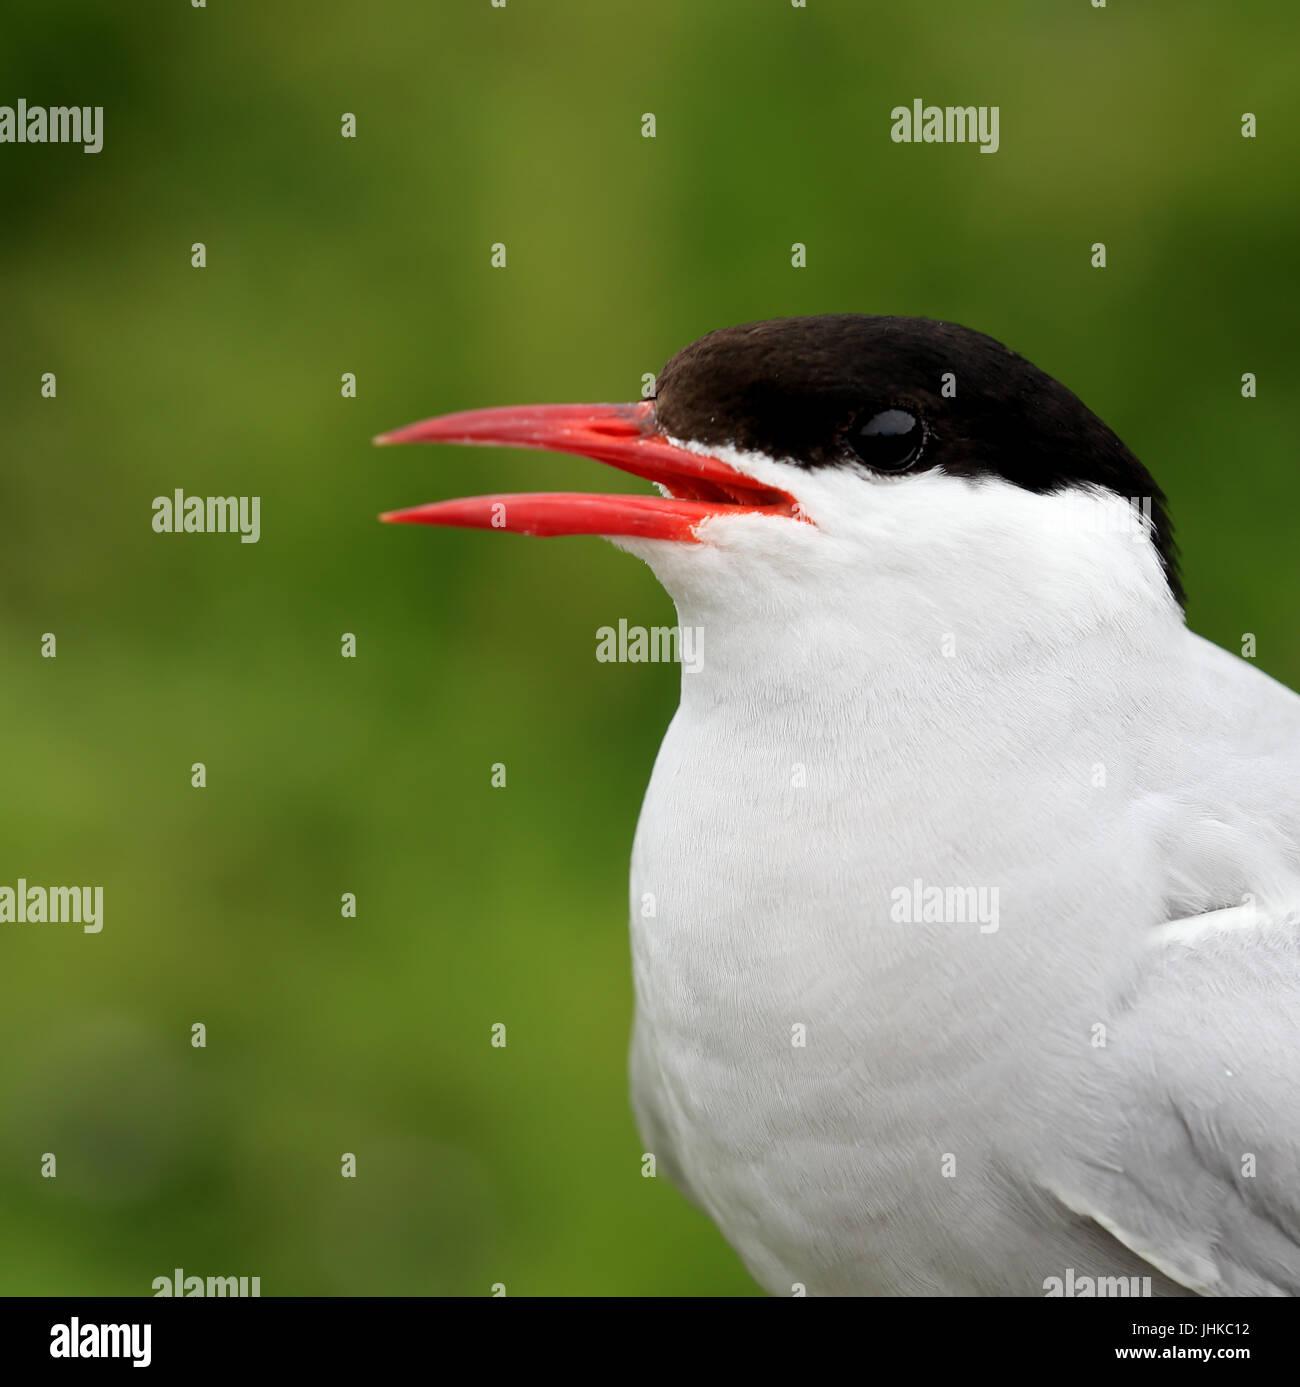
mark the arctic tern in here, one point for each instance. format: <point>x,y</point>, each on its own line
<point>964,894</point>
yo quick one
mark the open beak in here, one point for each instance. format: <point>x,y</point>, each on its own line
<point>625,436</point>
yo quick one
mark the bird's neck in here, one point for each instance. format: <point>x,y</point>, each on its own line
<point>902,661</point>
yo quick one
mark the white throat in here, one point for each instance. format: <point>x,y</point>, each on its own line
<point>911,583</point>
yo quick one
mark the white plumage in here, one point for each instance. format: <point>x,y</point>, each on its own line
<point>962,682</point>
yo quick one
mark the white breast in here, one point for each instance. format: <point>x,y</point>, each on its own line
<point>823,1077</point>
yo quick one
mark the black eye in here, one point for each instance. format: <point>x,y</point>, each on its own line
<point>889,440</point>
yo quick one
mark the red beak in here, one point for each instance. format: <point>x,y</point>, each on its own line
<point>625,436</point>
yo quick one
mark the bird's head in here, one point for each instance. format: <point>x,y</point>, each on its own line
<point>892,470</point>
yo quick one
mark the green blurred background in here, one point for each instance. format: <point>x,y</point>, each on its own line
<point>371,255</point>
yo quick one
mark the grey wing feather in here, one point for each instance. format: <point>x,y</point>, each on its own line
<point>1197,1093</point>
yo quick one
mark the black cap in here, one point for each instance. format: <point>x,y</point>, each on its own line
<point>802,390</point>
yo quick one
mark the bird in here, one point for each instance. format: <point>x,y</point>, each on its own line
<point>964,890</point>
